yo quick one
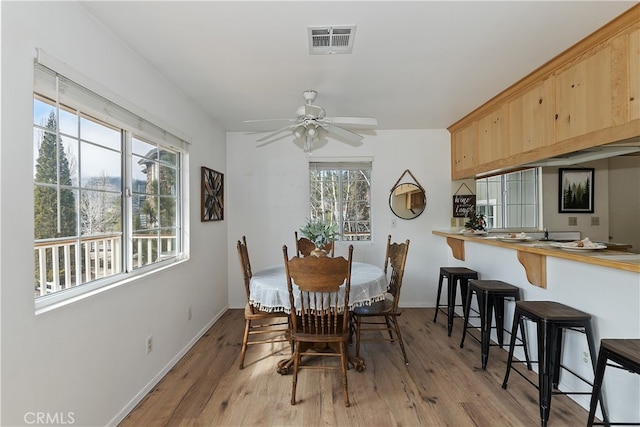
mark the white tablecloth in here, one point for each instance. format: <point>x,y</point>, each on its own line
<point>268,287</point>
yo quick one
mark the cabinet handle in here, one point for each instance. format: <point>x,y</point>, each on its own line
<point>556,117</point>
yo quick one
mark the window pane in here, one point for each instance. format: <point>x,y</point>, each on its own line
<point>99,133</point>
<point>55,212</point>
<point>100,210</point>
<point>143,149</point>
<point>342,196</point>
<point>99,164</point>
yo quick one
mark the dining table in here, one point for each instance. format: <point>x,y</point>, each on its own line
<point>268,292</point>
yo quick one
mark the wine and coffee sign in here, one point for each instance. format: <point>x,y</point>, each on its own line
<point>462,204</point>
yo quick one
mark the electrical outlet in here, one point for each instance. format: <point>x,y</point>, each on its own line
<point>573,220</point>
<point>454,222</point>
<point>189,313</point>
<point>585,357</point>
<point>149,343</point>
<point>595,220</point>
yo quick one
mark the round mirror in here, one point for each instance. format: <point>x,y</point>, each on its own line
<point>407,201</point>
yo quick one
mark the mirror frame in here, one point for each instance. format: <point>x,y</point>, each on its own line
<point>409,200</point>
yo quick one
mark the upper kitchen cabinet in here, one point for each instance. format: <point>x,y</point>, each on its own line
<point>464,148</point>
<point>531,118</point>
<point>592,94</point>
<point>587,96</point>
<point>493,135</point>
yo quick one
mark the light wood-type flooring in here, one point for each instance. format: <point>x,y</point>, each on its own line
<point>443,385</point>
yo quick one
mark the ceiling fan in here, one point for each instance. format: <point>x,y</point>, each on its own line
<point>311,122</point>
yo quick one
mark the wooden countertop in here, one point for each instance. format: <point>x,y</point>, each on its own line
<point>532,255</point>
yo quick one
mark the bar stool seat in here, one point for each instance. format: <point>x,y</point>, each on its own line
<point>491,295</point>
<point>552,319</point>
<point>453,276</point>
<point>626,354</point>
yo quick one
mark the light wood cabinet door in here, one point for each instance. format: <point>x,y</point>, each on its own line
<point>464,144</point>
<point>593,93</point>
<point>634,75</point>
<point>493,135</point>
<point>531,118</point>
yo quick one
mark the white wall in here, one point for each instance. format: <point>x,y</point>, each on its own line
<point>88,358</point>
<point>268,199</point>
<point>555,221</point>
<point>624,200</point>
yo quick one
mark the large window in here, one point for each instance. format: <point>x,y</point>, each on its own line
<point>107,190</point>
<point>340,192</point>
<point>509,200</point>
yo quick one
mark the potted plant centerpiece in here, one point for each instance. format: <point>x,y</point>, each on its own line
<point>319,232</point>
<point>476,223</point>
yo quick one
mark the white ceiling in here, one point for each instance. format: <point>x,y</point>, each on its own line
<point>415,64</point>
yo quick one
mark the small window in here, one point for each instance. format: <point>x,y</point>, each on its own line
<point>340,192</point>
<point>509,200</point>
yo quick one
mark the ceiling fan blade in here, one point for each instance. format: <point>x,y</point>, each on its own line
<point>343,133</point>
<point>353,122</point>
<point>269,120</point>
<point>274,133</point>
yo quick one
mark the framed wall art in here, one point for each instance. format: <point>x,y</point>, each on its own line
<point>575,190</point>
<point>211,195</point>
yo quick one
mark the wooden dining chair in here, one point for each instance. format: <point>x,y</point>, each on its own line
<point>319,312</point>
<point>382,316</point>
<point>266,327</point>
<point>304,246</point>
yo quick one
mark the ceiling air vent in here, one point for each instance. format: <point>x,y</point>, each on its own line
<point>331,40</point>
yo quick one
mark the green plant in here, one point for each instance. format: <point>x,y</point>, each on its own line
<point>475,221</point>
<point>320,232</point>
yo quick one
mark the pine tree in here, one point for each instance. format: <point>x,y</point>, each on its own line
<point>45,198</point>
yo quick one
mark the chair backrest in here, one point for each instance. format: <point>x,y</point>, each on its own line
<point>245,264</point>
<point>304,246</point>
<point>316,282</point>
<point>396,257</point>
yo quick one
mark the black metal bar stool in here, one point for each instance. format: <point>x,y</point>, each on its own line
<point>491,295</point>
<point>453,276</point>
<point>552,319</point>
<point>626,354</point>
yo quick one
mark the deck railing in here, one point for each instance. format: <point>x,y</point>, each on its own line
<point>65,263</point>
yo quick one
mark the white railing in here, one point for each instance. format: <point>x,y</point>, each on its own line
<point>65,263</point>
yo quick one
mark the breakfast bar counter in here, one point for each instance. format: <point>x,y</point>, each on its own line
<point>532,254</point>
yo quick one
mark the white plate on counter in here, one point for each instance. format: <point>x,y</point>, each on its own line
<point>514,239</point>
<point>573,246</point>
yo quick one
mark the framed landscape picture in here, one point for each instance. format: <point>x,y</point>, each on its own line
<point>211,195</point>
<point>575,190</point>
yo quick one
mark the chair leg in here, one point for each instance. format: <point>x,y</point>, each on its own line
<point>438,297</point>
<point>296,365</point>
<point>485,327</point>
<point>344,359</point>
<point>592,351</point>
<point>389,328</point>
<point>245,340</point>
<point>451,302</point>
<point>358,326</point>
<point>465,313</point>
<point>517,320</point>
<point>547,339</point>
<point>597,385</point>
<point>394,320</point>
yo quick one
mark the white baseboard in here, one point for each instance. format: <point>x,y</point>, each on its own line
<point>156,379</point>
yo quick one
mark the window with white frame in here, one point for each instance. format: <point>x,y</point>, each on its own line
<point>108,200</point>
<point>340,192</point>
<point>509,200</point>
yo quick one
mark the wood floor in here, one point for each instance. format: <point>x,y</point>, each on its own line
<point>442,386</point>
